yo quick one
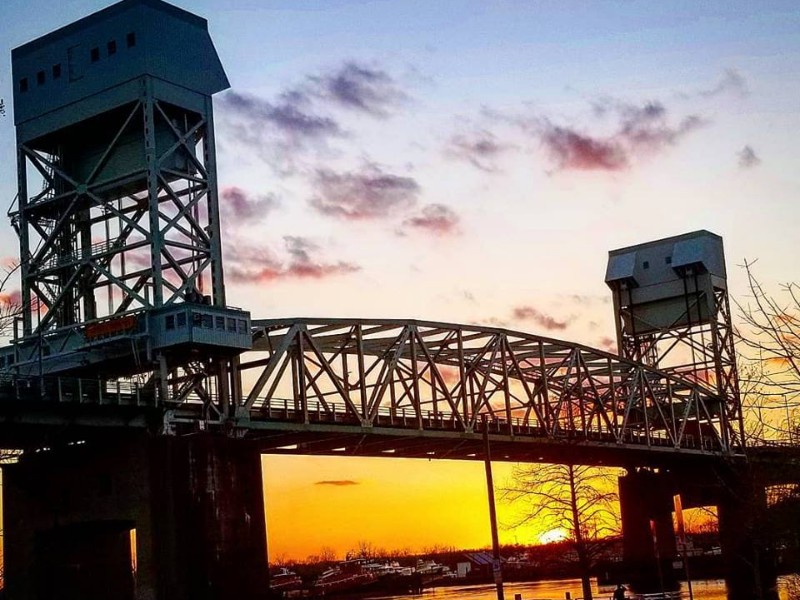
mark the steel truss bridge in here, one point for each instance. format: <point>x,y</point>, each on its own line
<point>416,388</point>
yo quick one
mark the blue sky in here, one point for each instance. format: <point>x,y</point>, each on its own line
<point>495,150</point>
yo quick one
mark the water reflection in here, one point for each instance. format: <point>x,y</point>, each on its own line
<point>713,589</point>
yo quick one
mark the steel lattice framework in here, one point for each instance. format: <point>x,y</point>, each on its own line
<point>435,376</point>
<point>108,240</point>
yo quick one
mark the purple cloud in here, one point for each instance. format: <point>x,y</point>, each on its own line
<point>437,219</point>
<point>368,194</point>
<point>359,88</point>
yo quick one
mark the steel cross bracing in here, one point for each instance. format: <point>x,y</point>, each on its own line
<point>441,377</point>
<point>96,245</point>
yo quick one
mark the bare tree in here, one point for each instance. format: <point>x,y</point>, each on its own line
<point>10,302</point>
<point>770,375</point>
<point>579,500</point>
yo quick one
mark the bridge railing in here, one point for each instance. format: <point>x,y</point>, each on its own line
<point>72,390</point>
<point>291,410</point>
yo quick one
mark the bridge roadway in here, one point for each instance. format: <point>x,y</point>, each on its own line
<point>409,388</point>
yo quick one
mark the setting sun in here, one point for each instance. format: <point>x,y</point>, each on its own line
<point>554,535</point>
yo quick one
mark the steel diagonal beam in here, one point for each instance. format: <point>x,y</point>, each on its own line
<point>482,399</point>
<point>101,162</point>
<point>632,385</point>
<point>197,194</point>
<point>326,367</point>
<point>440,381</point>
<point>564,392</point>
<point>657,406</point>
<point>386,369</point>
<point>601,412</point>
<point>182,140</point>
<point>472,374</point>
<point>132,292</point>
<point>281,350</point>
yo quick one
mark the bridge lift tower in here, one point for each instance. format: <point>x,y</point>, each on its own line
<point>122,282</point>
<point>117,208</point>
<point>673,313</point>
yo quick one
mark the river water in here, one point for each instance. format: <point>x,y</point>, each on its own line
<point>713,589</point>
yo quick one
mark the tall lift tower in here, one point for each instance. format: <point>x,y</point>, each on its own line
<point>673,313</point>
<point>117,207</point>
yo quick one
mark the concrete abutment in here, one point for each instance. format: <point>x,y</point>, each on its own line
<point>137,517</point>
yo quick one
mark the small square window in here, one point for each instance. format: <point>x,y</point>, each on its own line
<point>94,54</point>
<point>646,264</point>
<point>23,84</point>
<point>219,323</point>
<point>181,319</point>
<point>242,326</point>
<point>232,325</point>
<point>40,78</point>
<point>112,47</point>
<point>130,39</point>
<point>57,71</point>
<point>169,321</point>
<point>197,318</point>
<point>208,322</point>
<point>668,260</point>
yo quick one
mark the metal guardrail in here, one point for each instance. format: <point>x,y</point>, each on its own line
<point>289,410</point>
<point>71,390</point>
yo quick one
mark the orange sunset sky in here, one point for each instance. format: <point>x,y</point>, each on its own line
<point>471,161</point>
<point>391,503</point>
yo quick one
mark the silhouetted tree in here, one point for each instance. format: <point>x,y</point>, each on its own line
<point>582,501</point>
<point>769,341</point>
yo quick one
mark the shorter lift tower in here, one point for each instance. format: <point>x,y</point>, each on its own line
<point>672,313</point>
<point>117,211</point>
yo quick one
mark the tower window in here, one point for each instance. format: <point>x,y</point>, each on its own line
<point>57,71</point>
<point>130,39</point>
<point>40,78</point>
<point>94,53</point>
<point>23,84</point>
<point>668,260</point>
<point>646,264</point>
<point>112,47</point>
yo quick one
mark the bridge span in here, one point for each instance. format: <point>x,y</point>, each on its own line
<point>411,388</point>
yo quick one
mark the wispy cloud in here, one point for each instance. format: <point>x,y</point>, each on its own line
<point>748,158</point>
<point>291,115</point>
<point>731,82</point>
<point>639,130</point>
<point>437,219</point>
<point>337,482</point>
<point>237,203</point>
<point>481,149</point>
<point>360,88</point>
<point>252,264</point>
<point>529,313</point>
<point>370,193</point>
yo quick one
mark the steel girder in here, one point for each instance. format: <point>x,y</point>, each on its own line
<point>443,377</point>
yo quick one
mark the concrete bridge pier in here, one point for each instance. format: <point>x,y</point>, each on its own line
<point>745,538</point>
<point>137,518</point>
<point>648,538</point>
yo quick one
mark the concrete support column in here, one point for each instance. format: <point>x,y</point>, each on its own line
<point>215,533</point>
<point>137,518</point>
<point>745,539</point>
<point>648,538</point>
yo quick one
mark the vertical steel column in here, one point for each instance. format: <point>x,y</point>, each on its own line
<point>496,566</point>
<point>151,159</point>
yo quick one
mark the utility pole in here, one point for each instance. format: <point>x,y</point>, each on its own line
<point>496,566</point>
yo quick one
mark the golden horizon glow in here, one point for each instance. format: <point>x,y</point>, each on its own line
<point>338,503</point>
